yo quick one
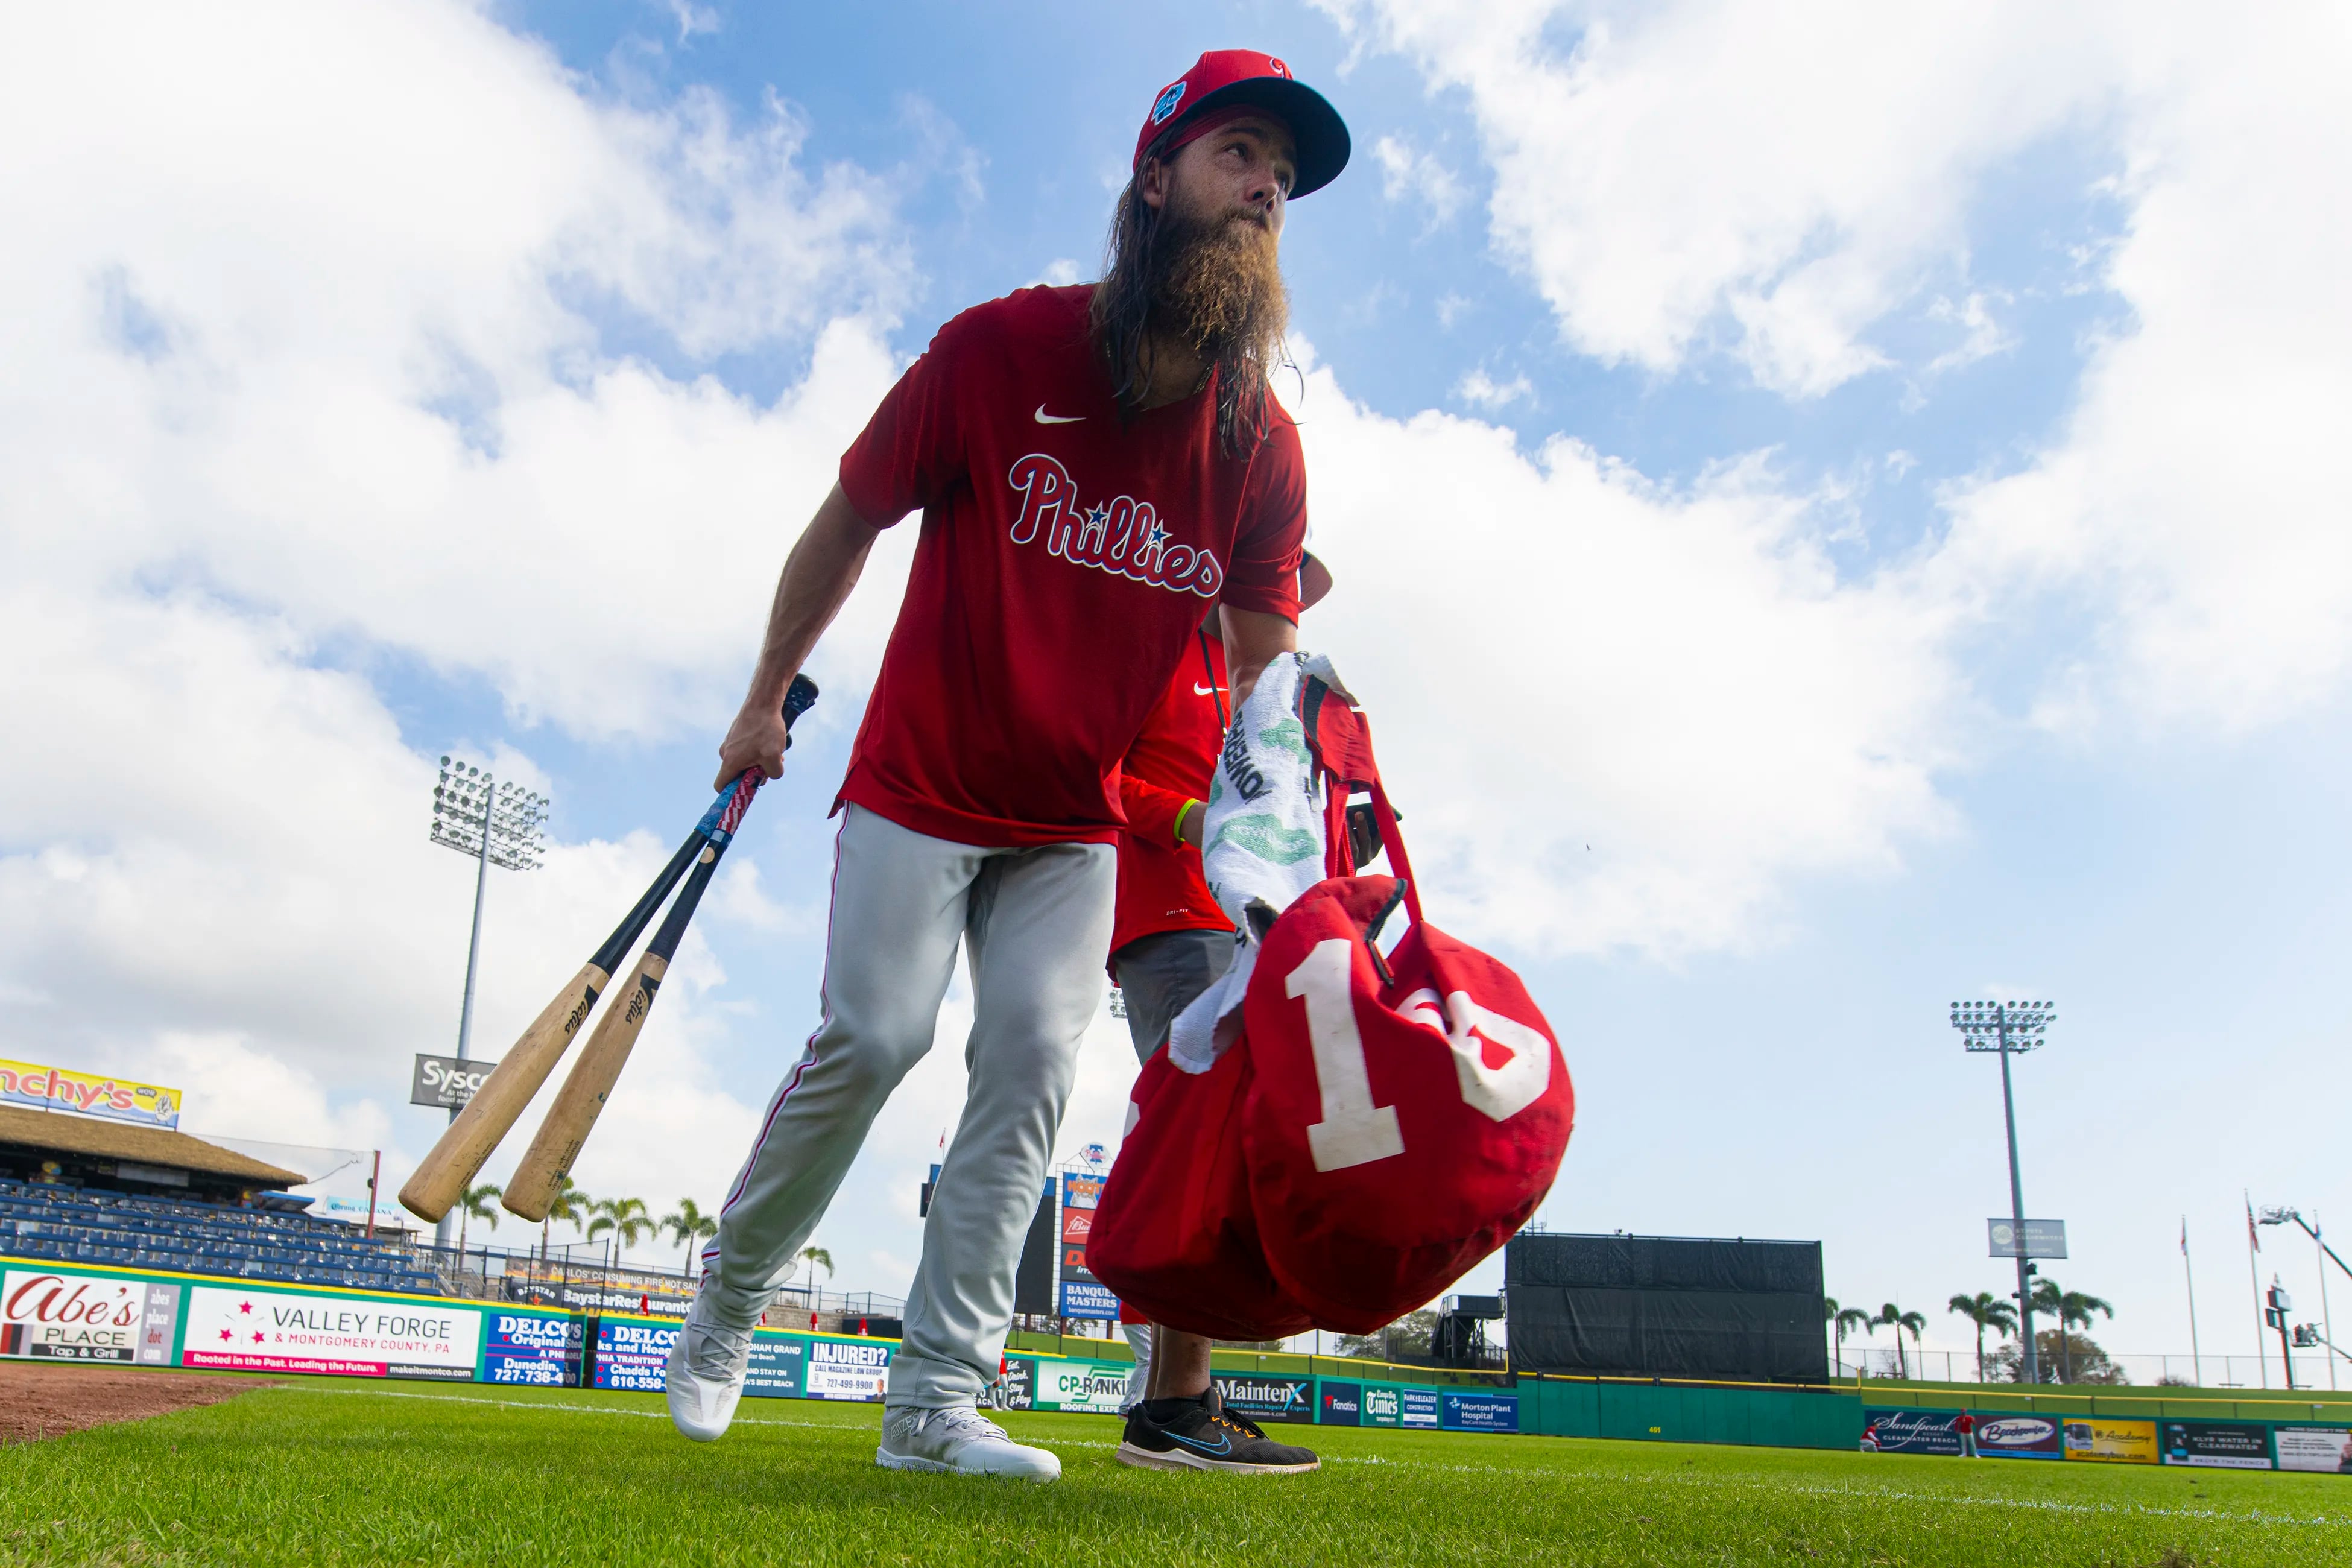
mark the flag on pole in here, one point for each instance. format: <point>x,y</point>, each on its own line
<point>2184,1235</point>
<point>2253,1239</point>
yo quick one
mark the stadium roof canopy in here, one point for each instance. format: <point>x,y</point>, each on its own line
<point>89,1137</point>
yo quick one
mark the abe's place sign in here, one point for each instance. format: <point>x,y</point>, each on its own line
<point>446,1083</point>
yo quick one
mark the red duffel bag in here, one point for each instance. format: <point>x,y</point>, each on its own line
<point>1398,1117</point>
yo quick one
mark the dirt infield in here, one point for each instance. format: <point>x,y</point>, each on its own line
<point>38,1401</point>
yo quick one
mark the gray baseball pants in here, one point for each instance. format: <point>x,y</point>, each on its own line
<point>1036,922</point>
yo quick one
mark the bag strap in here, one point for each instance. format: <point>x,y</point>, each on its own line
<point>1339,738</point>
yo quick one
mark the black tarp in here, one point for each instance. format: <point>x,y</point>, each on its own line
<point>1666,1307</point>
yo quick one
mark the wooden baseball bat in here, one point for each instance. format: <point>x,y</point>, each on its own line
<point>530,1193</point>
<point>459,1153</point>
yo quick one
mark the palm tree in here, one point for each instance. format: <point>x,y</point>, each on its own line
<point>475,1203</point>
<point>1986,1311</point>
<point>627,1220</point>
<point>1891,1316</point>
<point>1849,1321</point>
<point>2073,1309</point>
<point>571,1206</point>
<point>1914,1323</point>
<point>812,1256</point>
<point>687,1225</point>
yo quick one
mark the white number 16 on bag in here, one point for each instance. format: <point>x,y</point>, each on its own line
<point>1355,1132</point>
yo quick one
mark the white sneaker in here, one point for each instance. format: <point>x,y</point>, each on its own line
<point>958,1441</point>
<point>704,1377</point>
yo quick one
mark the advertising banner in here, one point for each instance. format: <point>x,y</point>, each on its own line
<point>1472,1411</point>
<point>1339,1404</point>
<point>631,1355</point>
<point>1263,1398</point>
<point>2110,1442</point>
<point>56,1314</point>
<point>2218,1445</point>
<point>1383,1405</point>
<point>261,1330</point>
<point>2042,1238</point>
<point>846,1369</point>
<point>1016,1386</point>
<point>92,1094</point>
<point>1419,1407</point>
<point>2018,1438</point>
<point>534,1348</point>
<point>779,1368</point>
<point>1895,1431</point>
<point>1083,1295</point>
<point>598,1293</point>
<point>446,1083</point>
<point>2328,1448</point>
<point>1092,1387</point>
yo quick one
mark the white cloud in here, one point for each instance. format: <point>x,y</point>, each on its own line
<point>1777,181</point>
<point>1483,390</point>
<point>1777,177</point>
<point>1557,653</point>
<point>1409,175</point>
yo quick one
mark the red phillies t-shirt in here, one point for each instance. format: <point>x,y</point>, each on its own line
<point>1065,558</point>
<point>1161,887</point>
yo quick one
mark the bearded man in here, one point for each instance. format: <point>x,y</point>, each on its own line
<point>1094,466</point>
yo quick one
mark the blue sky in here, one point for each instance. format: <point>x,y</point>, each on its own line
<point>1863,476</point>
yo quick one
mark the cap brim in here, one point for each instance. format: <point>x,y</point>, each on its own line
<point>1316,128</point>
<point>1314,581</point>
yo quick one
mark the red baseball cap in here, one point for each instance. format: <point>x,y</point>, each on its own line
<point>1238,79</point>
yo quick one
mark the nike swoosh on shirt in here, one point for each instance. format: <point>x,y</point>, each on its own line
<point>1045,418</point>
<point>1201,690</point>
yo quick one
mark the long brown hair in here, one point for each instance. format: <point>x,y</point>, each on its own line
<point>1145,245</point>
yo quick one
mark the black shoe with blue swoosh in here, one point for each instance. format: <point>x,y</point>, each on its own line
<point>1202,1435</point>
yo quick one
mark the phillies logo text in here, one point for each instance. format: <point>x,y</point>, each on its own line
<point>1123,537</point>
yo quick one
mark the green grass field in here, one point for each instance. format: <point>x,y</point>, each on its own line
<point>314,1472</point>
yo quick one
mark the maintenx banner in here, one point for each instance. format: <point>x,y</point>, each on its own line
<point>261,1330</point>
<point>1264,1399</point>
<point>2217,1444</point>
<point>58,1314</point>
<point>92,1094</point>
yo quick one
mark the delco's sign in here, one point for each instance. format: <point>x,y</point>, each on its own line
<point>92,1094</point>
<point>446,1083</point>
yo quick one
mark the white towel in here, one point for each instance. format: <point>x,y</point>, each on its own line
<point>1262,832</point>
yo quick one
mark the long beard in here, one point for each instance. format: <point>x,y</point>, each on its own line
<point>1217,284</point>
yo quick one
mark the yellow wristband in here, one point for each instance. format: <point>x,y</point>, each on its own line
<point>1189,807</point>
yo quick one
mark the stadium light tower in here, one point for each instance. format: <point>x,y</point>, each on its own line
<point>2010,1027</point>
<point>499,825</point>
